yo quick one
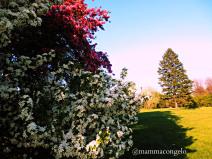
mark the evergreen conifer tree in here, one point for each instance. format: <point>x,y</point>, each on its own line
<point>176,86</point>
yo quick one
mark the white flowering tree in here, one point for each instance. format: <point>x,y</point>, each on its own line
<point>52,103</point>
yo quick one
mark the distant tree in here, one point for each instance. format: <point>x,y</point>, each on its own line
<point>208,83</point>
<point>203,95</point>
<point>176,86</point>
<point>198,88</point>
<point>153,98</point>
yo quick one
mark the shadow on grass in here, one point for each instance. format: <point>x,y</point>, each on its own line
<point>159,131</point>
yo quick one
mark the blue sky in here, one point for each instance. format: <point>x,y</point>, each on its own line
<point>141,31</point>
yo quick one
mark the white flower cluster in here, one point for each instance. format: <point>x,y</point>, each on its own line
<point>72,113</point>
<point>19,14</point>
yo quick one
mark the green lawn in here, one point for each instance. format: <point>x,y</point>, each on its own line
<point>174,129</point>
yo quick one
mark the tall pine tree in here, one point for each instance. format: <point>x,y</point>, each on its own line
<point>176,86</point>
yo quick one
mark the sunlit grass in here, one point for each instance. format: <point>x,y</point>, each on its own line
<point>200,120</point>
<point>190,129</point>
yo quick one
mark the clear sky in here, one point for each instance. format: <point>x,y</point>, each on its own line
<point>141,31</point>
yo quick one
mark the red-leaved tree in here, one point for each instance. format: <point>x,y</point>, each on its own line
<point>198,87</point>
<point>208,83</point>
<point>68,28</point>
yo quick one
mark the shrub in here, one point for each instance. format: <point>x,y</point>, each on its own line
<point>57,98</point>
<point>151,99</point>
<point>203,95</point>
<point>204,100</point>
<point>189,102</point>
<point>164,103</point>
<point>85,116</point>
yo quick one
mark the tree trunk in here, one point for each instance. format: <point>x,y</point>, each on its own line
<point>176,105</point>
<point>175,102</point>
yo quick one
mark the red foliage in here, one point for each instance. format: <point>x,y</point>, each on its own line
<point>79,23</point>
<point>209,85</point>
<point>198,88</point>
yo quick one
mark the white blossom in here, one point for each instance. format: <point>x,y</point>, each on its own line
<point>120,134</point>
<point>92,145</point>
<point>32,126</point>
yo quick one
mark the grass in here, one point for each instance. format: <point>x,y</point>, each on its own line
<point>189,129</point>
